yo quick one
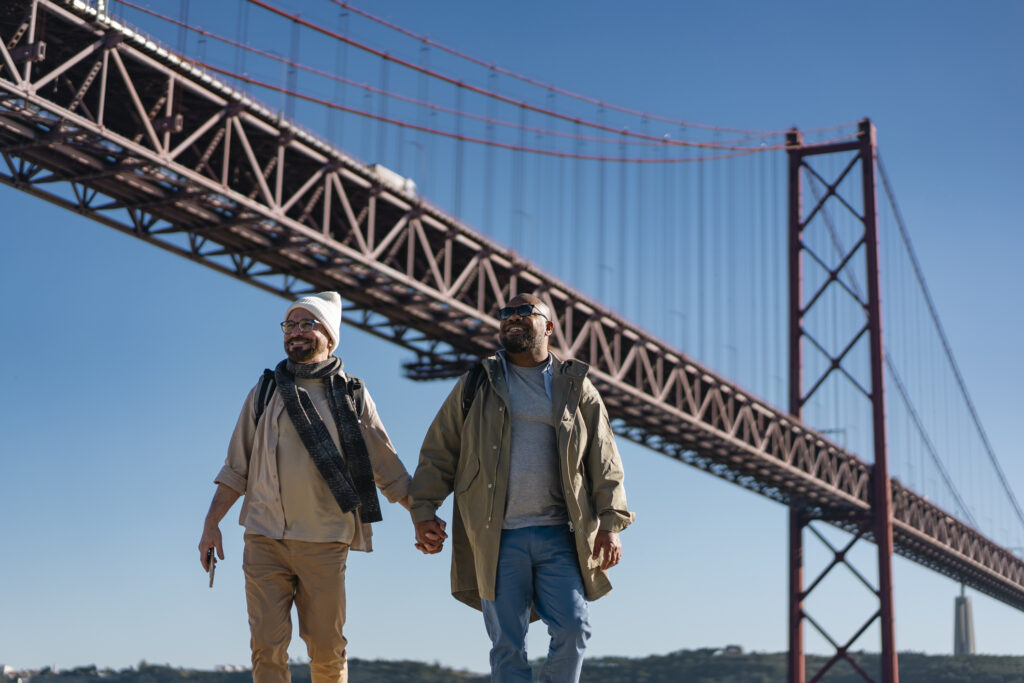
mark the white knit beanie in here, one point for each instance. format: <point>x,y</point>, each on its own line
<point>326,306</point>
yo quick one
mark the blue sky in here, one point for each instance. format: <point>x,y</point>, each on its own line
<point>127,366</point>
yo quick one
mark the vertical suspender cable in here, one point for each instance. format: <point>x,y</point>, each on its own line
<point>765,228</point>
<point>602,222</point>
<point>717,265</point>
<point>242,37</point>
<point>623,232</point>
<point>702,321</point>
<point>423,180</point>
<point>382,111</point>
<point>540,181</point>
<point>732,258</point>
<point>489,165</point>
<point>577,222</point>
<point>459,155</point>
<point>642,237</point>
<point>670,249</point>
<point>293,74</point>
<point>333,115</point>
<point>518,240</point>
<point>775,258</point>
<point>183,28</point>
<point>688,253</point>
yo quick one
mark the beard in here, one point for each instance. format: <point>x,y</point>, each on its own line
<point>529,339</point>
<point>304,353</point>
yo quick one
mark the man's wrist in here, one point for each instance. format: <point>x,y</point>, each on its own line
<point>422,513</point>
<point>611,521</point>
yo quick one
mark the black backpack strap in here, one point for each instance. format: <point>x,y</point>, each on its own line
<point>474,380</point>
<point>357,390</point>
<point>267,385</point>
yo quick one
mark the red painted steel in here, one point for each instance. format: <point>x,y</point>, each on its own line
<point>881,505</point>
<point>879,517</point>
<point>796,661</point>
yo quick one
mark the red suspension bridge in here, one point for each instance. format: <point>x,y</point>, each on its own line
<point>184,152</point>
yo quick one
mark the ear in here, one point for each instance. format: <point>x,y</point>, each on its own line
<point>549,327</point>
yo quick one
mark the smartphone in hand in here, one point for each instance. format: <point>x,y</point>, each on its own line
<point>211,562</point>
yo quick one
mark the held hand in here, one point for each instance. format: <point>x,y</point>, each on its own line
<point>607,548</point>
<point>211,539</point>
<point>430,536</point>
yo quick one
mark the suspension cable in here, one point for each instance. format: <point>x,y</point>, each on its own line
<point>560,91</point>
<point>942,338</point>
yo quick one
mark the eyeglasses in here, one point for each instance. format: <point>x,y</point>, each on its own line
<point>522,310</point>
<point>304,325</point>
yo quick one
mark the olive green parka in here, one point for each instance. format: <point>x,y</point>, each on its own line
<point>470,457</point>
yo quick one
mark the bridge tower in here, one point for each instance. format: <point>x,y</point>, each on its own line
<point>877,524</point>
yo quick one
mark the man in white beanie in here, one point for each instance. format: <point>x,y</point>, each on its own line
<point>306,453</point>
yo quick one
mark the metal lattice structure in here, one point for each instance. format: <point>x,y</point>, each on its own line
<point>106,123</point>
<point>879,518</point>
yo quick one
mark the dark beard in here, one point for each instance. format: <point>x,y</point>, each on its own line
<point>301,355</point>
<point>528,340</point>
<point>304,355</point>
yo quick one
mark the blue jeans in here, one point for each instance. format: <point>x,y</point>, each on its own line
<point>537,565</point>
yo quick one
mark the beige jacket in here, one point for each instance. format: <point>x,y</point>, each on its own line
<point>251,468</point>
<point>471,458</point>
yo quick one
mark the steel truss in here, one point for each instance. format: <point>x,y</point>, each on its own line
<point>108,124</point>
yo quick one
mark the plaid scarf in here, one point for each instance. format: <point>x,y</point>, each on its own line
<point>349,478</point>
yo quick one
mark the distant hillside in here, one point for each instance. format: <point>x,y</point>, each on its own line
<point>686,666</point>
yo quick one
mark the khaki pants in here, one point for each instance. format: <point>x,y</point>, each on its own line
<point>312,575</point>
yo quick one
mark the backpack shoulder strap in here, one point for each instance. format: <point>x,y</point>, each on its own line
<point>357,389</point>
<point>474,380</point>
<point>267,385</point>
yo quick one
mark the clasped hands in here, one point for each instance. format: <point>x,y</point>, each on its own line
<point>430,536</point>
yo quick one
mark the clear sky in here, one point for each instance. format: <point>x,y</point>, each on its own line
<point>126,366</point>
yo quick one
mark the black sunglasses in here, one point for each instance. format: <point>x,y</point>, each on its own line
<point>522,310</point>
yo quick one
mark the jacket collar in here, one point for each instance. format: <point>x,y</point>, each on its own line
<point>553,369</point>
<point>547,372</point>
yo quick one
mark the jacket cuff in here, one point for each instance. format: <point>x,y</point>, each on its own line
<point>397,489</point>
<point>616,521</point>
<point>422,512</point>
<point>231,479</point>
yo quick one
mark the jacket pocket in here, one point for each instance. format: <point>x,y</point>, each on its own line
<point>464,477</point>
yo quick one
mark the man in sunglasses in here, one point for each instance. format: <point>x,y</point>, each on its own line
<point>539,498</point>
<point>307,452</point>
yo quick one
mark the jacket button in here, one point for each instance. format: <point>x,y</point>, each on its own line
<point>494,448</point>
<point>490,486</point>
